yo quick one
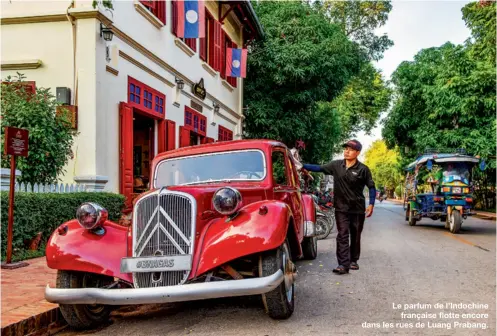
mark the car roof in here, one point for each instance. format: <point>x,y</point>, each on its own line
<point>221,146</point>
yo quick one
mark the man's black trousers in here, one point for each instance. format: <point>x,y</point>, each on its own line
<point>349,225</point>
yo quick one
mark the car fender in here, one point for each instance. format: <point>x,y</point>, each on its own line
<point>73,248</point>
<point>309,208</point>
<point>251,231</point>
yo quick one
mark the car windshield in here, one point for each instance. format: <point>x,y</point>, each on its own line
<point>248,165</point>
<point>456,171</point>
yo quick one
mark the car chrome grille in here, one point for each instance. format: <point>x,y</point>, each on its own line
<point>163,225</point>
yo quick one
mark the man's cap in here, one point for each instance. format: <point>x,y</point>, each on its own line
<point>354,144</point>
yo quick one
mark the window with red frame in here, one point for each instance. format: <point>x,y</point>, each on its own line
<point>145,98</point>
<point>156,7</point>
<point>224,134</point>
<point>190,42</point>
<point>196,122</point>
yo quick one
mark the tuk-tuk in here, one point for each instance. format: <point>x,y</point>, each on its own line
<point>438,186</point>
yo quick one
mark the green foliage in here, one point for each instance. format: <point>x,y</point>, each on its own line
<point>44,212</point>
<point>359,20</point>
<point>105,3</point>
<point>303,63</point>
<point>50,135</point>
<point>362,101</point>
<point>384,165</point>
<point>446,97</point>
<point>481,19</point>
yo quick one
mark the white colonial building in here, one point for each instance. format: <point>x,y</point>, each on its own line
<point>140,93</point>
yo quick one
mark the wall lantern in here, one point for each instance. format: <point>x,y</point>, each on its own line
<point>106,33</point>
<point>180,83</point>
<point>216,107</point>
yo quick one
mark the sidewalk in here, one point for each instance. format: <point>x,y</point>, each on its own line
<point>24,309</point>
<point>480,214</point>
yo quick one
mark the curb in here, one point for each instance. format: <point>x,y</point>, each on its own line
<point>46,323</point>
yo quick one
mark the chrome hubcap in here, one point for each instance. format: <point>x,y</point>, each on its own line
<point>290,273</point>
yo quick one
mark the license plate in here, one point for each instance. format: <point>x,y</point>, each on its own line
<point>156,264</point>
<point>456,190</point>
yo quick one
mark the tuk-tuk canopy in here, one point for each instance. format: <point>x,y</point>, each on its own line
<point>441,158</point>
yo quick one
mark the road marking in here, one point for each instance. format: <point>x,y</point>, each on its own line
<point>464,241</point>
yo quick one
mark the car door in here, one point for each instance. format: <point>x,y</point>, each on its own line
<point>285,187</point>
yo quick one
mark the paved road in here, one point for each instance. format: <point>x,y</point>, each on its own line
<point>400,265</point>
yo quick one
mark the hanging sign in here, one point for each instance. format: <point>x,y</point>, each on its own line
<point>199,89</point>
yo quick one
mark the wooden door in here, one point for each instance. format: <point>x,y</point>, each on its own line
<point>126,153</point>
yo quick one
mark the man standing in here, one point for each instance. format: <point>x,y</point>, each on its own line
<point>350,177</point>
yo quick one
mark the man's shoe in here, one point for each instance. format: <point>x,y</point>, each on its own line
<point>354,266</point>
<point>341,270</point>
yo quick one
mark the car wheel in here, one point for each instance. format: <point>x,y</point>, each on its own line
<point>310,247</point>
<point>455,221</point>
<point>82,316</point>
<point>280,302</point>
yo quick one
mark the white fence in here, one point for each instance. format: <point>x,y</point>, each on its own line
<point>52,188</point>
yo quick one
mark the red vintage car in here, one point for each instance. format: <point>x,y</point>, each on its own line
<point>220,220</point>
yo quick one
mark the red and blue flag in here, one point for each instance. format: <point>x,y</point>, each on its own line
<point>236,62</point>
<point>190,22</point>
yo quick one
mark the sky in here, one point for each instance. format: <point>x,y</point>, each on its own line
<point>412,26</point>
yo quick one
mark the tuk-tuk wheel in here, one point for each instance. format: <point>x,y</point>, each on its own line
<point>455,221</point>
<point>447,222</point>
<point>412,219</point>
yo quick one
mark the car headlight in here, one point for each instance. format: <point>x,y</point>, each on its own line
<point>91,215</point>
<point>227,201</point>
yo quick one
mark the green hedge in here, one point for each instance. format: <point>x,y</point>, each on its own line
<point>44,212</point>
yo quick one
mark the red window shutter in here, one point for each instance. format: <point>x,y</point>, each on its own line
<point>217,45</point>
<point>192,43</point>
<point>149,4</point>
<point>210,42</point>
<point>171,135</point>
<point>161,10</point>
<point>126,153</point>
<point>184,137</point>
<point>203,40</point>
<point>224,42</point>
<point>161,136</point>
<point>174,19</point>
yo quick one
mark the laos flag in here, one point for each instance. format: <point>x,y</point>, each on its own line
<point>190,18</point>
<point>236,62</point>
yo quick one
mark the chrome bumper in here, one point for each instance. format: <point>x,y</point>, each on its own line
<point>188,292</point>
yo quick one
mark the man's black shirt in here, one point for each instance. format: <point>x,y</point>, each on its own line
<point>349,185</point>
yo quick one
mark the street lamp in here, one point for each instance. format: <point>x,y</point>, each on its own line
<point>106,33</point>
<point>216,107</point>
<point>180,83</point>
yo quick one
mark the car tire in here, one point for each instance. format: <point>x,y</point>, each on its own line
<point>310,247</point>
<point>82,316</point>
<point>280,302</point>
<point>455,221</point>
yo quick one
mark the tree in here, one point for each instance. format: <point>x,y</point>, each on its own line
<point>480,18</point>
<point>367,95</point>
<point>50,134</point>
<point>303,64</point>
<point>384,165</point>
<point>362,102</point>
<point>359,20</point>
